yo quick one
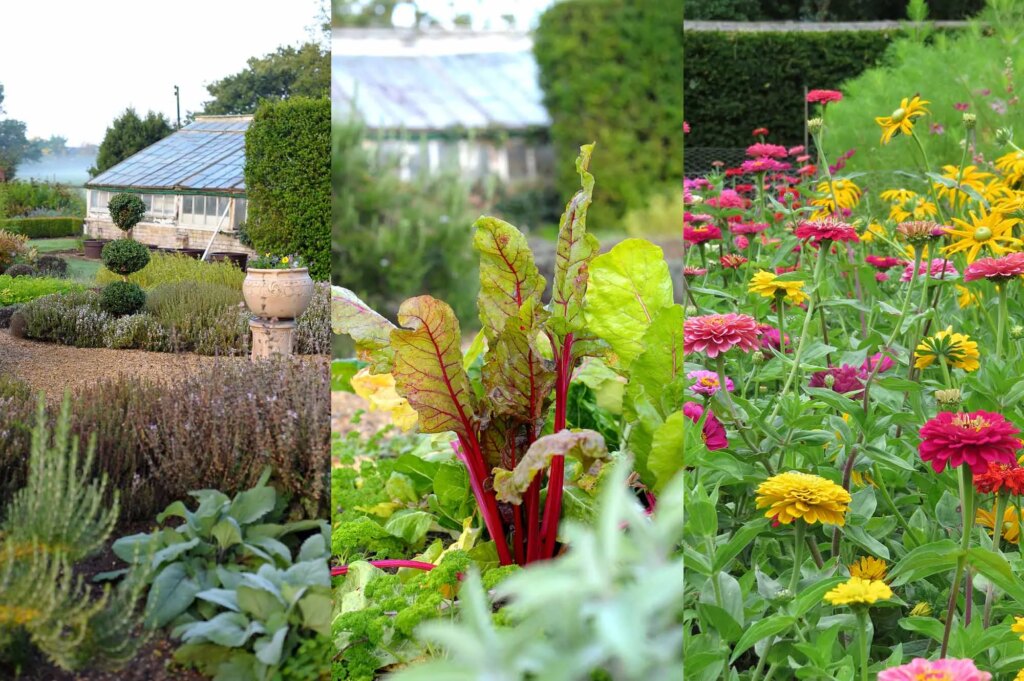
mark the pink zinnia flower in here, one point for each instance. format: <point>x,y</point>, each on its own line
<point>727,199</point>
<point>794,151</point>
<point>713,432</point>
<point>807,170</point>
<point>691,272</point>
<point>881,276</point>
<point>961,106</point>
<point>884,361</point>
<point>940,269</point>
<point>741,241</point>
<point>696,217</point>
<point>766,150</point>
<point>763,165</point>
<point>731,261</point>
<point>845,379</point>
<point>951,668</point>
<point>882,262</point>
<point>686,127</point>
<point>706,382</point>
<point>700,233</point>
<point>760,132</point>
<point>824,96</point>
<point>748,227</point>
<point>997,269</point>
<point>826,229</point>
<point>976,438</point>
<point>771,338</point>
<point>715,334</point>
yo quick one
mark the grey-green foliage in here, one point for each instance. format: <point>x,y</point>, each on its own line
<point>612,604</point>
<point>61,507</point>
<point>219,540</point>
<point>261,618</point>
<point>57,518</point>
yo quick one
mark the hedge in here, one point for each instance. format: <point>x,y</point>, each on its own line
<point>797,10</point>
<point>287,181</point>
<point>44,228</point>
<point>735,82</point>
<point>610,71</point>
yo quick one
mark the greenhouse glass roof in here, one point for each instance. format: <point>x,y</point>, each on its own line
<point>437,92</point>
<point>206,155</point>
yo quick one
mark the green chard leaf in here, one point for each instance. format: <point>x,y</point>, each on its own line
<point>428,366</point>
<point>573,253</point>
<point>370,331</point>
<point>586,445</point>
<point>666,456</point>
<point>660,364</point>
<point>508,275</point>
<point>629,286</point>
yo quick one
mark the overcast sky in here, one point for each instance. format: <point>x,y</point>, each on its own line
<point>69,67</point>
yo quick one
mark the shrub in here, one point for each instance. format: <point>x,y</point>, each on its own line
<point>313,327</point>
<point>18,326</point>
<point>136,331</point>
<point>26,199</point>
<point>6,312</point>
<point>21,270</point>
<point>164,268</point>
<point>581,48</point>
<point>20,289</point>
<point>203,317</point>
<point>662,216</point>
<point>125,256</point>
<point>12,245</point>
<point>71,318</point>
<point>52,266</point>
<point>287,171</point>
<point>218,427</point>
<point>126,210</point>
<point>44,227</point>
<point>121,298</point>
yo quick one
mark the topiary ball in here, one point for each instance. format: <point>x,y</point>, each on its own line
<point>126,210</point>
<point>122,298</point>
<point>21,270</point>
<point>52,266</point>
<point>124,256</point>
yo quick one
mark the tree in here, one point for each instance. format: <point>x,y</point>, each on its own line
<point>14,148</point>
<point>289,72</point>
<point>128,135</point>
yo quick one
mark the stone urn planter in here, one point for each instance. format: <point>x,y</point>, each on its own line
<point>276,297</point>
<point>92,248</point>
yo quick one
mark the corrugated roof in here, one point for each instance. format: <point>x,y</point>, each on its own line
<point>208,154</point>
<point>439,92</point>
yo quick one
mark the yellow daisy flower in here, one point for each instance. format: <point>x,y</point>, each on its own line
<point>859,591</point>
<point>899,196</point>
<point>991,230</point>
<point>871,231</point>
<point>1018,626</point>
<point>793,495</point>
<point>922,609</point>
<point>966,297</point>
<point>847,195</point>
<point>1011,165</point>
<point>869,567</point>
<point>1010,527</point>
<point>919,208</point>
<point>768,285</point>
<point>972,177</point>
<point>957,348</point>
<point>902,119</point>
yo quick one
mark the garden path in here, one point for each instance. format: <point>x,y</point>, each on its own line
<point>54,368</point>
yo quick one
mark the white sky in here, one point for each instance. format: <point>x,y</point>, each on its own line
<point>69,67</point>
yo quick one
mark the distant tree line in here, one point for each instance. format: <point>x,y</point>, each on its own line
<point>825,10</point>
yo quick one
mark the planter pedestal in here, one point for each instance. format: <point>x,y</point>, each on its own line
<point>271,337</point>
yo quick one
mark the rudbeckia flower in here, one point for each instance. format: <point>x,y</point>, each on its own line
<point>902,119</point>
<point>991,230</point>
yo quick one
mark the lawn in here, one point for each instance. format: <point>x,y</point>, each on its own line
<point>56,245</point>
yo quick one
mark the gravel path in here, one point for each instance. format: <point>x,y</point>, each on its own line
<point>54,368</point>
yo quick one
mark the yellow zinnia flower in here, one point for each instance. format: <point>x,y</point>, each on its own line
<point>957,348</point>
<point>869,567</point>
<point>768,285</point>
<point>1010,528</point>
<point>902,119</point>
<point>1011,165</point>
<point>793,495</point>
<point>991,230</point>
<point>859,591</point>
<point>1020,676</point>
<point>379,391</point>
<point>1018,626</point>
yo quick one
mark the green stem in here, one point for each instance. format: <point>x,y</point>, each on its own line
<point>1001,319</point>
<point>800,529</point>
<point>781,308</point>
<point>862,640</point>
<point>965,481</point>
<point>887,498</point>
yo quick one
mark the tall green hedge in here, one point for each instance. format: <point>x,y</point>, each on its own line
<point>44,228</point>
<point>610,71</point>
<point>735,82</point>
<point>287,181</point>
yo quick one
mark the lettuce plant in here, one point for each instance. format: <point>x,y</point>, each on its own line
<point>617,306</point>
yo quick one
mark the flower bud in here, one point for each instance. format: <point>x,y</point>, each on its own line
<point>829,381</point>
<point>970,121</point>
<point>1004,136</point>
<point>948,399</point>
<point>763,389</point>
<point>922,609</point>
<point>1016,332</point>
<point>758,357</point>
<point>814,125</point>
<point>690,311</point>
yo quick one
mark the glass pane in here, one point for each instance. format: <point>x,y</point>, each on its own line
<point>186,204</point>
<point>239,211</point>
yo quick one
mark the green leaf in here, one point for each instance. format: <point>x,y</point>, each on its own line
<point>659,364</point>
<point>586,445</point>
<point>574,250</point>
<point>252,504</point>
<point>342,371</point>
<point>740,539</point>
<point>998,571</point>
<point>924,561</point>
<point>171,594</point>
<point>475,350</point>
<point>370,331</point>
<point>509,278</point>
<point>228,629</point>
<point>226,598</point>
<point>812,596</point>
<point>227,533</point>
<point>428,366</point>
<point>399,488</point>
<point>410,527</point>
<point>516,379</point>
<point>316,612</point>
<point>629,286</point>
<point>769,626</point>
<point>451,485</point>
<point>258,603</point>
<point>268,649</point>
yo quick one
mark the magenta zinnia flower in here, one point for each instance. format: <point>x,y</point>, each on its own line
<point>846,379</point>
<point>771,338</point>
<point>700,234</point>
<point>713,432</point>
<point>977,438</point>
<point>764,149</point>
<point>706,382</point>
<point>714,334</point>
<point>940,269</point>
<point>996,269</point>
<point>944,669</point>
<point>826,229</point>
<point>763,165</point>
<point>824,96</point>
<point>882,262</point>
<point>884,361</point>
<point>691,272</point>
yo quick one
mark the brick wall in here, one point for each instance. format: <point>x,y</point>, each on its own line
<point>166,236</point>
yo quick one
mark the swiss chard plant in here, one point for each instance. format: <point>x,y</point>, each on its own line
<point>511,430</point>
